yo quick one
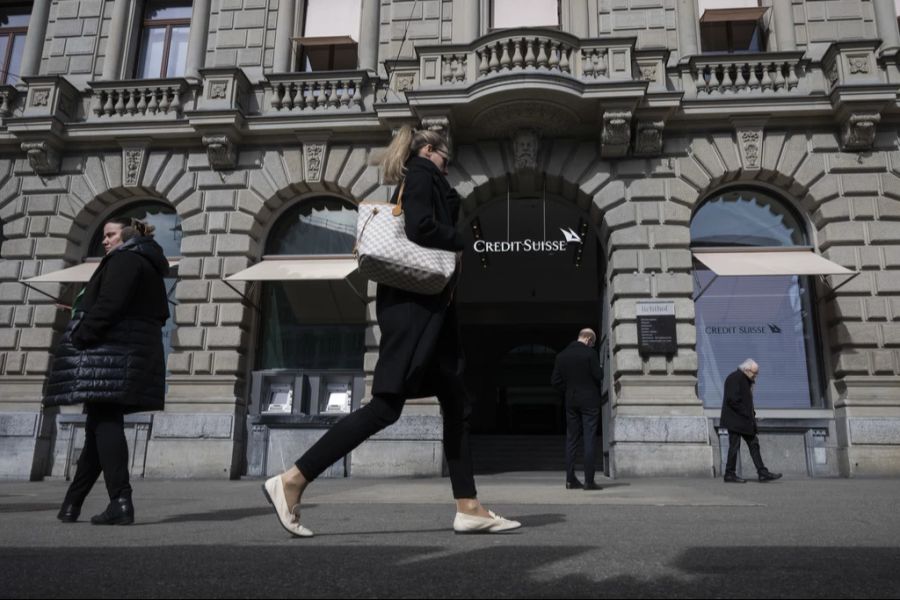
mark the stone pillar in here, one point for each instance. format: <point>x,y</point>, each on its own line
<point>115,45</point>
<point>466,21</point>
<point>886,21</point>
<point>783,15</point>
<point>688,39</point>
<point>196,55</point>
<point>369,30</point>
<point>34,39</point>
<point>284,44</point>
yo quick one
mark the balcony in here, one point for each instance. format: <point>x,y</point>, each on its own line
<point>526,52</point>
<point>144,99</point>
<point>783,73</point>
<point>316,93</point>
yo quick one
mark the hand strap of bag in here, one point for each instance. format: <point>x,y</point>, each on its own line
<point>396,211</point>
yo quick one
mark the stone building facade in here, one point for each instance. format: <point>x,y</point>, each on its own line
<point>617,113</point>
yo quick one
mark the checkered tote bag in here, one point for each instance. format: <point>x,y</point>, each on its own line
<point>387,256</point>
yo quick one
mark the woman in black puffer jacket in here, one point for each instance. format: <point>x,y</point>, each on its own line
<point>110,359</point>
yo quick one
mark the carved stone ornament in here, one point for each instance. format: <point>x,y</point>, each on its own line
<point>218,90</point>
<point>221,151</point>
<point>616,134</point>
<point>648,72</point>
<point>750,143</point>
<point>858,131</point>
<point>314,154</point>
<point>526,145</point>
<point>7,101</point>
<point>42,157</point>
<point>832,72</point>
<point>40,97</point>
<point>133,165</point>
<point>648,138</point>
<point>405,82</point>
<point>858,64</point>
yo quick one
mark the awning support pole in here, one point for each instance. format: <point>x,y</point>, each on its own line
<point>247,301</point>
<point>835,289</point>
<point>56,300</point>
<point>703,291</point>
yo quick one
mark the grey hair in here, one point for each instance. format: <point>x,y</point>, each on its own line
<point>748,364</point>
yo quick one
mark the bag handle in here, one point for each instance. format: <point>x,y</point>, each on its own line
<point>398,209</point>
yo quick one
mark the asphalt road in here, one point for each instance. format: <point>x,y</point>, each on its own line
<point>392,538</point>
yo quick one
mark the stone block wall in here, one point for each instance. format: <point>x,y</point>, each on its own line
<point>245,35</point>
<point>76,39</point>
<point>653,22</point>
<point>821,22</point>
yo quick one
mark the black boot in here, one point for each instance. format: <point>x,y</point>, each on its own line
<point>120,511</point>
<point>68,513</point>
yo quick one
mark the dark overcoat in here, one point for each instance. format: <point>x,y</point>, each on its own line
<point>738,413</point>
<point>111,351</point>
<point>420,341</point>
<point>577,375</point>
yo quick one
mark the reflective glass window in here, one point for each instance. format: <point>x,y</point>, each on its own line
<point>768,319</point>
<point>312,324</point>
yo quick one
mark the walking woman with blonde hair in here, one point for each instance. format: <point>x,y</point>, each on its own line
<point>110,359</point>
<point>419,352</point>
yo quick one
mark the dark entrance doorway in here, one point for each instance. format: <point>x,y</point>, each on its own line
<point>531,279</point>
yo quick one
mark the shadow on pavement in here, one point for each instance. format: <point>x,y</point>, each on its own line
<point>307,568</point>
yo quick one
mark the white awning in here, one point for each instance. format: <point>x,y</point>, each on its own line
<point>78,274</point>
<point>786,261</point>
<point>307,268</point>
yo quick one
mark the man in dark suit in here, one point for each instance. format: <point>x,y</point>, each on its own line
<point>739,418</point>
<point>578,376</point>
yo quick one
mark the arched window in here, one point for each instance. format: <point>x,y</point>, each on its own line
<point>312,324</point>
<point>167,234</point>
<point>767,318</point>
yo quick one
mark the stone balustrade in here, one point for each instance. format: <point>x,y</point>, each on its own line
<point>309,92</point>
<point>779,73</point>
<point>525,52</point>
<point>143,98</point>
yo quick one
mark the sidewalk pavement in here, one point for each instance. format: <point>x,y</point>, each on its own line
<point>393,538</point>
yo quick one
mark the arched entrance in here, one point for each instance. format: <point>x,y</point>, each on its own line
<point>532,277</point>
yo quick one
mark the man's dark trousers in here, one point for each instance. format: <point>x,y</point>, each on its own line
<point>734,448</point>
<point>581,423</point>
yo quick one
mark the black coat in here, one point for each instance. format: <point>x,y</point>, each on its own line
<point>111,351</point>
<point>578,376</point>
<point>420,333</point>
<point>738,413</point>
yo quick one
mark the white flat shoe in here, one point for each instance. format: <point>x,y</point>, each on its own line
<point>464,523</point>
<point>273,489</point>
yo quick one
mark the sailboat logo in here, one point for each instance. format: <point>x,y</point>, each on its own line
<point>571,236</point>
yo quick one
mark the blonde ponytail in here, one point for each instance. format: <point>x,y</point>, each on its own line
<point>408,142</point>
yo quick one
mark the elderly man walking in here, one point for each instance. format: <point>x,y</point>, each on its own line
<point>739,418</point>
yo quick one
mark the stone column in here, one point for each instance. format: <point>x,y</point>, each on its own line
<point>34,39</point>
<point>886,21</point>
<point>196,54</point>
<point>783,15</point>
<point>466,21</point>
<point>369,30</point>
<point>115,45</point>
<point>284,32</point>
<point>688,15</point>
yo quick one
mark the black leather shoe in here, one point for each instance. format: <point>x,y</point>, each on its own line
<point>68,513</point>
<point>734,479</point>
<point>590,485</point>
<point>119,512</point>
<point>768,476</point>
<point>574,485</point>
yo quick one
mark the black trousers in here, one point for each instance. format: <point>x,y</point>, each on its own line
<point>383,411</point>
<point>734,448</point>
<point>105,451</point>
<point>581,423</point>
